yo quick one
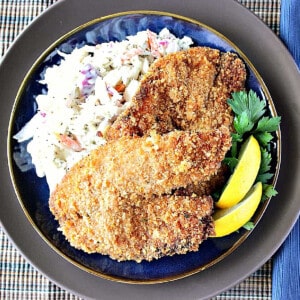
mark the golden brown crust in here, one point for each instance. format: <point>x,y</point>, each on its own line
<point>103,203</point>
<point>136,228</point>
<point>186,90</point>
<point>143,194</point>
<point>206,187</point>
<point>152,165</point>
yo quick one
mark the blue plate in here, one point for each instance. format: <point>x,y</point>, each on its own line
<point>33,192</point>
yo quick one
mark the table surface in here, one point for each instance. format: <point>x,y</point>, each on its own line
<point>20,280</point>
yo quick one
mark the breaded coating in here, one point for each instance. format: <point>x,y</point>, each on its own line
<point>134,228</point>
<point>144,194</point>
<point>185,90</point>
<point>231,78</point>
<point>206,187</point>
<point>118,201</point>
<point>151,165</point>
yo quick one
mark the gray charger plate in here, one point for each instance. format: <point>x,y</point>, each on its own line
<point>282,78</point>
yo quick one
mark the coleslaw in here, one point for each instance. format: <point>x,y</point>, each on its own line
<point>86,92</point>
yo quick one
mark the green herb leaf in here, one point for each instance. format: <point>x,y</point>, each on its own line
<point>238,102</point>
<point>268,192</point>
<point>248,103</point>
<point>231,162</point>
<point>265,166</point>
<point>234,151</point>
<point>263,138</point>
<point>264,177</point>
<point>236,137</point>
<point>256,106</point>
<point>268,124</point>
<point>242,123</point>
<point>249,225</point>
<point>266,159</point>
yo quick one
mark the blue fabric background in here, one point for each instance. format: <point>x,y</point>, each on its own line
<point>286,266</point>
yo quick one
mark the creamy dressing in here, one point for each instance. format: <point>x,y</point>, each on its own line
<point>86,92</point>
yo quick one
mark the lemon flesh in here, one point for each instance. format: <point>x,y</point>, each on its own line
<point>231,219</point>
<point>243,175</point>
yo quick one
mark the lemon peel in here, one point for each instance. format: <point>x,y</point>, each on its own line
<point>231,219</point>
<point>243,175</point>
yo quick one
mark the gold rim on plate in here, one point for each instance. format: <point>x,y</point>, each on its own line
<point>259,213</point>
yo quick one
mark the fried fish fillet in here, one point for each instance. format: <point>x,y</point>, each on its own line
<point>131,180</point>
<point>206,187</point>
<point>142,195</point>
<point>134,228</point>
<point>151,165</point>
<point>186,90</point>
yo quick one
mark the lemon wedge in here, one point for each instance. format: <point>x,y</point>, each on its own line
<point>243,175</point>
<point>231,219</point>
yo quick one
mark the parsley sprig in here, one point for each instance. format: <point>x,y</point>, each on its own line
<point>250,119</point>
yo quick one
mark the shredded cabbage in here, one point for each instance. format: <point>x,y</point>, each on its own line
<point>86,92</point>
